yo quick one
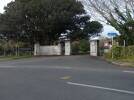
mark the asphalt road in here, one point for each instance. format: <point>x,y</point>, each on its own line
<point>65,78</point>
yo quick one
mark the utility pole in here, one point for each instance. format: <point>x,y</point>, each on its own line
<point>112,46</point>
<point>124,43</point>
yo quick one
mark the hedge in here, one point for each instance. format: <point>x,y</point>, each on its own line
<point>118,52</point>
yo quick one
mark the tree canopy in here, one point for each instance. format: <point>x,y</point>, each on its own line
<point>90,28</point>
<point>41,20</point>
<point>117,13</point>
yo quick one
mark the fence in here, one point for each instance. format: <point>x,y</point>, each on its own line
<point>16,51</point>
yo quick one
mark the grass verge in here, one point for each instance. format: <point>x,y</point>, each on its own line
<point>6,58</point>
<point>129,62</point>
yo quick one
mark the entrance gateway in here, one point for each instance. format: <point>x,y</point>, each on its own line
<point>96,46</point>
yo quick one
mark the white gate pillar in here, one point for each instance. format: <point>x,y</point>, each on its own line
<point>94,48</point>
<point>36,49</point>
<point>67,47</point>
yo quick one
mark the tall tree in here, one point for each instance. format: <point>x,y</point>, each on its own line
<point>117,13</point>
<point>87,29</point>
<point>40,20</point>
<point>93,27</point>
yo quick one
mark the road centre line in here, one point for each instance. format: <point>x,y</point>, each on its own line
<point>67,68</point>
<point>66,77</point>
<point>101,88</point>
<point>131,72</point>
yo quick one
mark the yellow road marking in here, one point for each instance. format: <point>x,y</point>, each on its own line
<point>66,77</point>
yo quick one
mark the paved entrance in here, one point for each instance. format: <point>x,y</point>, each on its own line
<point>65,78</point>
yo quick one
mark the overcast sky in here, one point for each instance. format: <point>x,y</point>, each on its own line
<point>107,28</point>
<point>3,3</point>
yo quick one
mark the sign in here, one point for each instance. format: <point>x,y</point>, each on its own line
<point>112,34</point>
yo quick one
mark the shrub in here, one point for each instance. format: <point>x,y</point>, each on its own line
<point>117,51</point>
<point>75,48</point>
<point>120,52</point>
<point>108,55</point>
<point>84,46</point>
<point>130,51</point>
<point>80,47</point>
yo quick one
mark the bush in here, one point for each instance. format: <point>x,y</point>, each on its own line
<point>130,51</point>
<point>108,55</point>
<point>80,47</point>
<point>84,46</point>
<point>75,48</point>
<point>117,51</point>
<point>120,52</point>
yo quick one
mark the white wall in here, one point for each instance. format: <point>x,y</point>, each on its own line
<point>47,50</point>
<point>50,50</point>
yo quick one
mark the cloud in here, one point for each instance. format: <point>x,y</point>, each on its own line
<point>109,29</point>
<point>3,3</point>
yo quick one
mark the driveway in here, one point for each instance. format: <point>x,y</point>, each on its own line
<point>65,78</point>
